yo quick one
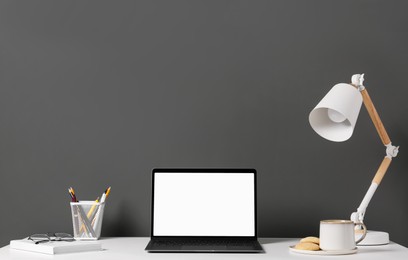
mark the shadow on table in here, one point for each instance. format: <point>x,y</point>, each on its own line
<point>265,241</point>
<point>375,249</point>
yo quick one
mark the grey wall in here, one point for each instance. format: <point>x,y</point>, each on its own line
<point>97,93</point>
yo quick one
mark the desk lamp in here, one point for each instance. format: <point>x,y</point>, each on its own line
<point>334,119</point>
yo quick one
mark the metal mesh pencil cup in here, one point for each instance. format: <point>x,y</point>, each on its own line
<point>87,219</point>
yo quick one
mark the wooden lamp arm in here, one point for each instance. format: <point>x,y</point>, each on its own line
<point>383,135</point>
<point>375,117</point>
<point>382,170</point>
<point>391,150</point>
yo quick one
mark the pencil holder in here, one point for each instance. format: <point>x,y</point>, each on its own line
<point>87,219</point>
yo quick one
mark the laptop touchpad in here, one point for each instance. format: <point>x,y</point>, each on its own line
<point>203,247</point>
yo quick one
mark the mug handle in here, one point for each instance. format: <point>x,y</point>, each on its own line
<point>364,230</point>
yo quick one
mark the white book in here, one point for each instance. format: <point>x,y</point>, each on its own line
<point>55,247</point>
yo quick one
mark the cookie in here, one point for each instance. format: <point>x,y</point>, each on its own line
<point>307,246</point>
<point>314,240</point>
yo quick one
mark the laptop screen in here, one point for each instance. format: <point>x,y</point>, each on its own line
<point>204,204</point>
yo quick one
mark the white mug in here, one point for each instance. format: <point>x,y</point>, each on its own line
<point>339,234</point>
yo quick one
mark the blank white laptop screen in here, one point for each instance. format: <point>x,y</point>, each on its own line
<point>204,204</point>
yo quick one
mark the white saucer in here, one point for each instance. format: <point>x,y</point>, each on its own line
<point>323,252</point>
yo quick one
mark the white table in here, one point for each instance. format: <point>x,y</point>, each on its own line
<point>123,248</point>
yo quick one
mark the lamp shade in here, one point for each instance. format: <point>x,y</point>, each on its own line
<point>336,115</point>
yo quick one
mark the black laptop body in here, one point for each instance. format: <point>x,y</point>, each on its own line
<point>204,211</point>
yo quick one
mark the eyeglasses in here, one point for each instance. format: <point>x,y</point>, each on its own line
<point>41,238</point>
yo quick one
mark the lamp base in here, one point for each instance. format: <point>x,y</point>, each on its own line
<point>374,238</point>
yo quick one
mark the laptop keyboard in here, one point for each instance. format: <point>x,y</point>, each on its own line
<point>204,245</point>
<point>201,242</point>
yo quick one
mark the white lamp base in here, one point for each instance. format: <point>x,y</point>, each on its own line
<point>374,238</point>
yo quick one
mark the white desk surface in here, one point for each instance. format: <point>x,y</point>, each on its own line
<point>124,248</point>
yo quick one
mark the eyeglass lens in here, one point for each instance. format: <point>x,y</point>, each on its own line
<point>40,238</point>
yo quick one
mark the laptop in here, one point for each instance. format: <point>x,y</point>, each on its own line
<point>204,210</point>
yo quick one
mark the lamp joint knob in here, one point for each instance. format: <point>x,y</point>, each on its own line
<point>391,150</point>
<point>357,80</point>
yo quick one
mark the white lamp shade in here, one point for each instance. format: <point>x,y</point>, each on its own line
<point>335,116</point>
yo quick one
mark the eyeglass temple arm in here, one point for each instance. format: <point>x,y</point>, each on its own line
<point>391,151</point>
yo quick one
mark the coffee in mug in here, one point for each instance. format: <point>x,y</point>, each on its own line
<point>339,234</point>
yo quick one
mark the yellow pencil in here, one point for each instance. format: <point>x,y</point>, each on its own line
<point>91,210</point>
<point>107,192</point>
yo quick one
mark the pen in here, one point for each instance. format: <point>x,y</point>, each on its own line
<point>72,192</point>
<point>84,218</point>
<point>72,198</point>
<point>95,220</point>
<point>105,194</point>
<point>74,209</point>
<point>85,221</point>
<point>91,210</point>
<point>71,195</point>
